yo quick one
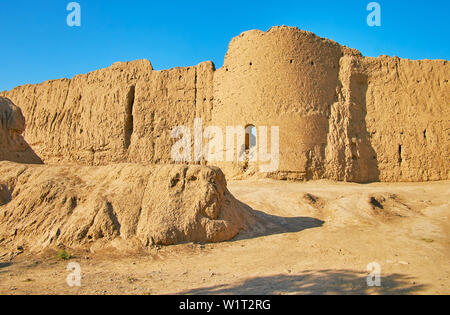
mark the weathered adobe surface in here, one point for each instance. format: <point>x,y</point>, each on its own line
<point>124,206</point>
<point>342,116</point>
<point>123,113</point>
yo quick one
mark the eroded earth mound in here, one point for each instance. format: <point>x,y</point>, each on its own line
<point>122,206</point>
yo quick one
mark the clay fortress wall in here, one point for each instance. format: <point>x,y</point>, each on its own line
<point>341,116</point>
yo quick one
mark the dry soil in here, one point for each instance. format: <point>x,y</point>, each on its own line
<point>321,237</point>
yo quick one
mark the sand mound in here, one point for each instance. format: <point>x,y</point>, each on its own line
<point>123,205</point>
<point>12,145</point>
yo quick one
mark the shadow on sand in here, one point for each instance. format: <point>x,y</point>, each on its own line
<point>266,224</point>
<point>4,265</point>
<point>320,282</point>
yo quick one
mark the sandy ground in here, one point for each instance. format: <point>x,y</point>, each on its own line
<point>322,236</point>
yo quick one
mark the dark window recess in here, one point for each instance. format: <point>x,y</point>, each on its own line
<point>250,137</point>
<point>129,124</point>
<point>400,158</point>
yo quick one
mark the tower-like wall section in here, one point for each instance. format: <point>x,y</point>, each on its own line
<point>341,116</point>
<point>286,78</point>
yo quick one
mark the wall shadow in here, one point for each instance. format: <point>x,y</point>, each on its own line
<point>364,156</point>
<point>17,150</point>
<point>349,139</point>
<point>314,282</point>
<point>13,146</point>
<point>4,265</point>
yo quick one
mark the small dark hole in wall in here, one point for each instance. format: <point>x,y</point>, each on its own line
<point>251,64</point>
<point>5,195</point>
<point>174,180</point>
<point>311,198</point>
<point>292,61</point>
<point>425,134</point>
<point>312,63</point>
<point>375,203</point>
<point>400,158</point>
<point>180,77</point>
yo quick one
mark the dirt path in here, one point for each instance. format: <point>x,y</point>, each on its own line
<point>322,236</point>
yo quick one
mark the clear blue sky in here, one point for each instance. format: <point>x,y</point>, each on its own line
<point>37,45</point>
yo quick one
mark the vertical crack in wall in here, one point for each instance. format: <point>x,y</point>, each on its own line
<point>197,114</point>
<point>129,122</point>
<point>195,91</point>
<point>67,94</point>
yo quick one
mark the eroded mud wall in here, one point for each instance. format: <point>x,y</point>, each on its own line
<point>122,113</point>
<point>341,116</point>
<point>408,117</point>
<point>287,78</point>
